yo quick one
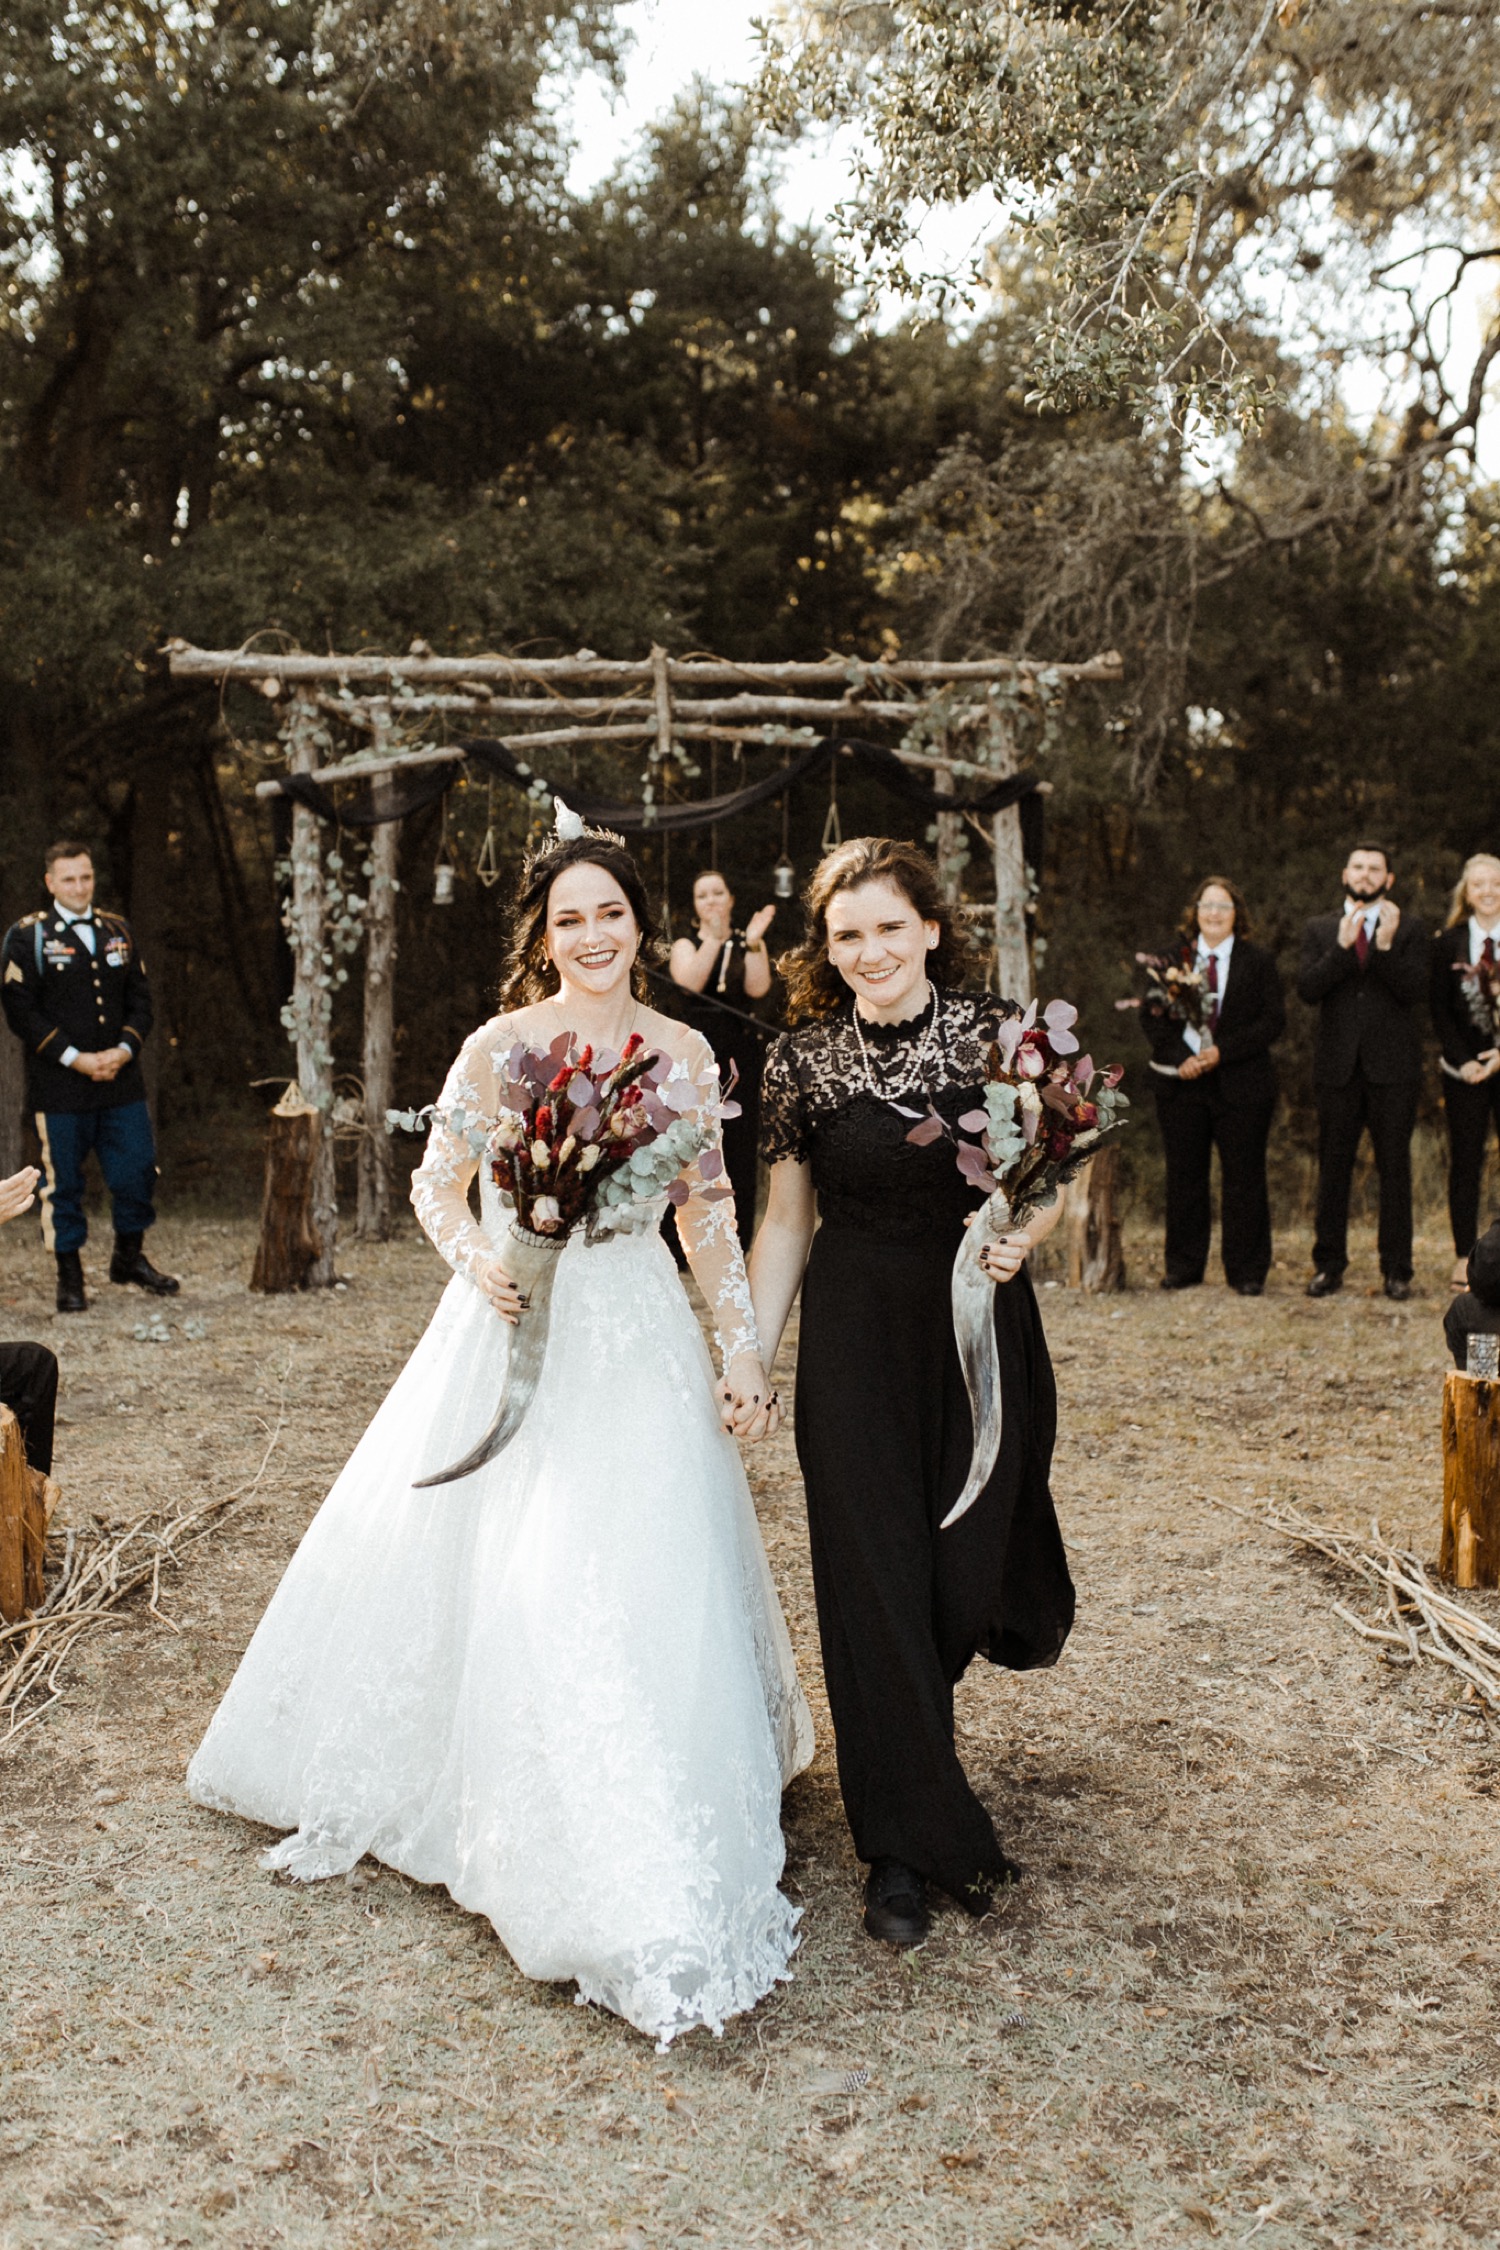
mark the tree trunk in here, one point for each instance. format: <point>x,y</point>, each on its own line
<point>1012,953</point>
<point>1470,1550</point>
<point>374,1221</point>
<point>27,1499</point>
<point>312,993</point>
<point>289,1248</point>
<point>1096,1249</point>
<point>948,847</point>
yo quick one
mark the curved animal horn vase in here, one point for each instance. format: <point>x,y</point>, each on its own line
<point>531,1262</point>
<point>978,1353</point>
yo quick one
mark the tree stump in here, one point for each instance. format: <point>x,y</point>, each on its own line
<point>1096,1247</point>
<point>289,1245</point>
<point>1470,1551</point>
<point>27,1499</point>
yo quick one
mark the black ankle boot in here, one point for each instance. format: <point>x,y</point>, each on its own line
<point>70,1296</point>
<point>896,1903</point>
<point>130,1263</point>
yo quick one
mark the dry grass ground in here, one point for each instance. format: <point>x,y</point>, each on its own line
<point>1247,1991</point>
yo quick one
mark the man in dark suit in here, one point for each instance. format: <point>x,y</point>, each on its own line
<point>76,996</point>
<point>1365,969</point>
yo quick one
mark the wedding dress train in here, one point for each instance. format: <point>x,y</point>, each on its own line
<point>562,1687</point>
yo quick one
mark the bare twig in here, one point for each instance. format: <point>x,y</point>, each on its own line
<point>100,1570</point>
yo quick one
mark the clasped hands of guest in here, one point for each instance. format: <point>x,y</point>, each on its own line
<point>1207,1058</point>
<point>748,1407</point>
<point>1482,1067</point>
<point>1387,922</point>
<point>104,1066</point>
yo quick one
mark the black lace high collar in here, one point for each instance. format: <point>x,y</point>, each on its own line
<point>894,1034</point>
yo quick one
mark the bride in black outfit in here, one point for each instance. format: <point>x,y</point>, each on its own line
<point>882,1418</point>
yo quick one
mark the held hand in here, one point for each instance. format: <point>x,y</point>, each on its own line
<point>1350,926</point>
<point>758,924</point>
<point>1208,1059</point>
<point>109,1064</point>
<point>1191,1066</point>
<point>18,1193</point>
<point>89,1066</point>
<point>748,1407</point>
<point>1387,923</point>
<point>501,1291</point>
<point>1002,1259</point>
<point>1475,1073</point>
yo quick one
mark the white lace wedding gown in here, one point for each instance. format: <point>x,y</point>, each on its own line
<point>562,1687</point>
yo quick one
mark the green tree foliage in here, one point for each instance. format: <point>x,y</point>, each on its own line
<point>1184,171</point>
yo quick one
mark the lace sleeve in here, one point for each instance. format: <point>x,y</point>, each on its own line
<point>440,1184</point>
<point>783,1113</point>
<point>708,1231</point>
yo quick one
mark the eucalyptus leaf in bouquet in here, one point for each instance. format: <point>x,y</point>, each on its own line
<point>1044,1115</point>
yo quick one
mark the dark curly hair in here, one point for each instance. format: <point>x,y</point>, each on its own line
<point>529,975</point>
<point>1189,923</point>
<point>813,985</point>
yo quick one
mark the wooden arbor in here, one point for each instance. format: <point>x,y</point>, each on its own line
<point>957,722</point>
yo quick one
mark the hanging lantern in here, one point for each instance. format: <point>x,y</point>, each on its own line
<point>784,878</point>
<point>442,882</point>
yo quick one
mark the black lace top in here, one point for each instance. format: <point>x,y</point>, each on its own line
<point>817,1106</point>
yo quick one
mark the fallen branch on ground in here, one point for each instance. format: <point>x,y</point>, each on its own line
<point>102,1566</point>
<point>1420,1622</point>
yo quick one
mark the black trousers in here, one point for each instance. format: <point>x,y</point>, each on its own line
<point>1469,1110</point>
<point>1388,1114</point>
<point>1194,1122</point>
<point>28,1386</point>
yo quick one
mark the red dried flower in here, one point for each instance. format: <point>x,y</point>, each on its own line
<point>543,1122</point>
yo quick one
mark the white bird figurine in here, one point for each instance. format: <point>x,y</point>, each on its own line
<point>567,825</point>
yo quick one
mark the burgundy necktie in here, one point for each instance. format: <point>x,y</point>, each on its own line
<point>1487,953</point>
<point>1362,941</point>
<point>1211,979</point>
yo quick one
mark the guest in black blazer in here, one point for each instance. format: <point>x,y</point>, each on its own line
<point>1217,1088</point>
<point>1366,970</point>
<point>1462,1015</point>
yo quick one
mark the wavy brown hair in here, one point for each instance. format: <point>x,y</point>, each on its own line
<point>1189,923</point>
<point>529,975</point>
<point>813,985</point>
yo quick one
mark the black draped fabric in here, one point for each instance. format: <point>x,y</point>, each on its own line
<point>739,1047</point>
<point>884,1436</point>
<point>404,792</point>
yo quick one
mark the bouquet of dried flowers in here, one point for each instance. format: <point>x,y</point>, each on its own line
<point>1175,989</point>
<point>1044,1115</point>
<point>1479,981</point>
<point>583,1136</point>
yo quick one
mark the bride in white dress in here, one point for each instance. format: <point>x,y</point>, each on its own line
<point>562,1687</point>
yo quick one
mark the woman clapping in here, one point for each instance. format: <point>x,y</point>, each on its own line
<point>1465,986</point>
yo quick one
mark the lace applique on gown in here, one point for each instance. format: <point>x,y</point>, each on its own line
<point>563,1688</point>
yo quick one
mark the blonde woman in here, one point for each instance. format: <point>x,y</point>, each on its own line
<point>1467,949</point>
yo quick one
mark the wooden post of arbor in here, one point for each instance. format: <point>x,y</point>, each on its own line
<point>289,1247</point>
<point>1012,953</point>
<point>26,1503</point>
<point>948,848</point>
<point>374,1220</point>
<point>1096,1248</point>
<point>312,990</point>
<point>1470,1550</point>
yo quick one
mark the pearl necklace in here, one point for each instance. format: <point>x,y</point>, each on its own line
<point>911,1077</point>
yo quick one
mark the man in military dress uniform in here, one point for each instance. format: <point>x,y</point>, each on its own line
<point>75,994</point>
